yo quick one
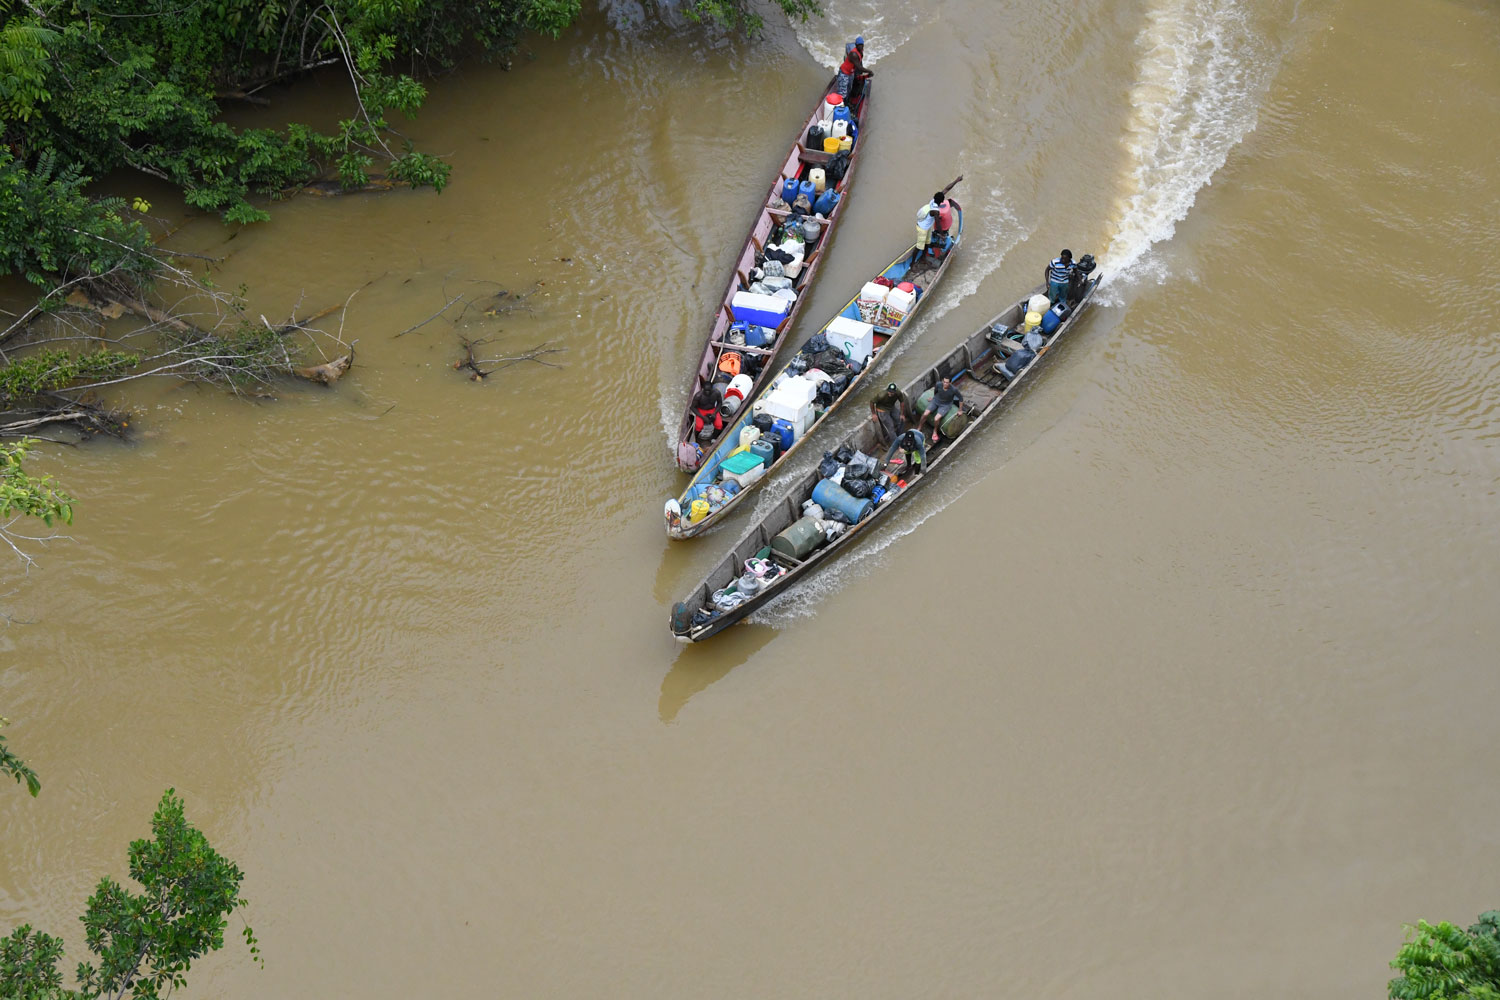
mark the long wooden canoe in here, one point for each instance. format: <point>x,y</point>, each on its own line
<point>925,274</point>
<point>687,452</point>
<point>971,365</point>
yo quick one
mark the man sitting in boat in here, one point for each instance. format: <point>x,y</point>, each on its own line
<point>1059,277</point>
<point>911,442</point>
<point>891,411</point>
<point>707,418</point>
<point>944,399</point>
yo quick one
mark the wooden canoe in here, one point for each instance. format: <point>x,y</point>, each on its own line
<point>926,275</point>
<point>686,451</point>
<point>971,366</point>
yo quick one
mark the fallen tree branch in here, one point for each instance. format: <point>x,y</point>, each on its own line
<point>476,365</point>
<point>429,319</point>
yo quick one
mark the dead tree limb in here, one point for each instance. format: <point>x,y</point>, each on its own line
<point>477,366</point>
<point>429,319</point>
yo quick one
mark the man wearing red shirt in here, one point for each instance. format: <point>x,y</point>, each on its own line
<point>853,67</point>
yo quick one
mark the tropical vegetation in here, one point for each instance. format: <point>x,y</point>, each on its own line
<point>1445,962</point>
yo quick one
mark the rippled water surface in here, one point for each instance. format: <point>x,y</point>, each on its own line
<point>1181,683</point>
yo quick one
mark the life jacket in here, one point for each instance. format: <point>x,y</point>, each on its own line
<point>731,362</point>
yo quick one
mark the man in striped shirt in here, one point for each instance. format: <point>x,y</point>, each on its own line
<point>1059,276</point>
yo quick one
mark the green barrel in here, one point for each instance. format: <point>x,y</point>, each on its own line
<point>956,420</point>
<point>800,539</point>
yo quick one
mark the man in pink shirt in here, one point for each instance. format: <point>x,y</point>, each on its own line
<point>944,209</point>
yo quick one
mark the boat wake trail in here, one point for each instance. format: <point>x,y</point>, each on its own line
<point>995,231</point>
<point>802,600</point>
<point>1203,74</point>
<point>884,30</point>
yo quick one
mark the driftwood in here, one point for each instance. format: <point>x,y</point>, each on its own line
<point>332,188</point>
<point>477,366</point>
<point>328,372</point>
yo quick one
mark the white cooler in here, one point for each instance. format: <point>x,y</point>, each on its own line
<point>855,339</point>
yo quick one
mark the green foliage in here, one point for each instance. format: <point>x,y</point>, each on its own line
<point>26,495</point>
<point>23,67</point>
<point>136,83</point>
<point>49,228</point>
<point>51,370</point>
<point>1442,962</point>
<point>144,943</point>
<point>16,767</point>
<point>737,14</point>
<point>28,966</point>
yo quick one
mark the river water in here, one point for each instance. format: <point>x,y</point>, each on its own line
<point>1181,683</point>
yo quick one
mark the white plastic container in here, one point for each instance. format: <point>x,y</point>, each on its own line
<point>799,416</point>
<point>817,175</point>
<point>793,394</point>
<point>749,434</point>
<point>855,339</point>
<point>839,129</point>
<point>897,305</point>
<point>735,393</point>
<point>797,250</point>
<point>871,298</point>
<point>829,103</point>
<point>745,478</point>
<point>1038,303</point>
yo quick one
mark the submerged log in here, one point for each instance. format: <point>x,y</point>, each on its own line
<point>328,372</point>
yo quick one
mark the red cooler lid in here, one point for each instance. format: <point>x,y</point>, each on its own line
<point>834,99</point>
<point>907,286</point>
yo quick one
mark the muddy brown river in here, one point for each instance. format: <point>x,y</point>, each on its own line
<point>1182,682</point>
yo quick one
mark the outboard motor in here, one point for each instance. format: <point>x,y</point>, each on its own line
<point>1080,279</point>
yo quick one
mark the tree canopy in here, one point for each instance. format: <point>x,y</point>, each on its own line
<point>1445,962</point>
<point>143,944</point>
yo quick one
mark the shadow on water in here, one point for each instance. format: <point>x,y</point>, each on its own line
<point>702,664</point>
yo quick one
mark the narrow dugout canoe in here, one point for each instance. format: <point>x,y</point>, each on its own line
<point>688,452</point>
<point>974,367</point>
<point>707,485</point>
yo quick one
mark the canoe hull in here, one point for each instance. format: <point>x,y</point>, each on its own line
<point>680,528</point>
<point>760,231</point>
<point>974,358</point>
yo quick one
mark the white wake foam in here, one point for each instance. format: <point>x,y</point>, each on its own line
<point>884,30</point>
<point>803,599</point>
<point>991,232</point>
<point>1203,74</point>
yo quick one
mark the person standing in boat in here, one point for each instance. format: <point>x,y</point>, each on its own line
<point>1059,277</point>
<point>944,209</point>
<point>853,67</point>
<point>926,223</point>
<point>891,411</point>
